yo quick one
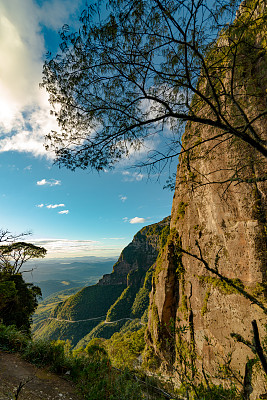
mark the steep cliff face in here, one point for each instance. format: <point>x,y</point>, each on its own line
<point>210,280</point>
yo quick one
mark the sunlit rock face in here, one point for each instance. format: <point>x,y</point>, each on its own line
<point>141,253</point>
<point>220,227</point>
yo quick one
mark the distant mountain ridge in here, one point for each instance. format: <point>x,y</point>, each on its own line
<point>140,254</point>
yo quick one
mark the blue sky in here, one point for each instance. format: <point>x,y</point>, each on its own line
<point>71,213</point>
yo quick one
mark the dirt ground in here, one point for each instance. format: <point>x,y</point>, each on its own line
<point>40,384</point>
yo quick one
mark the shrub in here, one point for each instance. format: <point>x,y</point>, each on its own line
<point>55,354</point>
<point>12,339</point>
<point>98,380</point>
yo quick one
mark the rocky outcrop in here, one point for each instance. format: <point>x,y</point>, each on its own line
<point>210,280</point>
<point>140,254</point>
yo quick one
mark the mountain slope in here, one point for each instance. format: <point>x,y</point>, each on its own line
<point>121,295</point>
<point>80,313</point>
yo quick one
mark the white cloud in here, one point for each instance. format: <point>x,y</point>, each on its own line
<point>66,246</point>
<point>63,212</point>
<point>24,109</point>
<point>137,220</point>
<point>123,198</point>
<point>40,205</point>
<point>55,205</point>
<point>132,176</point>
<point>49,182</point>
<point>28,168</point>
<point>125,219</point>
<point>55,13</point>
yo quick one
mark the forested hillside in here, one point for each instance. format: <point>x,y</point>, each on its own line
<point>103,309</point>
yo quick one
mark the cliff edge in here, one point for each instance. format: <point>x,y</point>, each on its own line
<point>210,280</point>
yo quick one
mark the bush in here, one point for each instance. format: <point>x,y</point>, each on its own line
<point>213,392</point>
<point>55,354</point>
<point>11,339</point>
<point>98,380</point>
<point>125,348</point>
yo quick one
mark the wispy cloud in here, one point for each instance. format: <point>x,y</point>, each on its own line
<point>132,176</point>
<point>48,182</point>
<point>137,220</point>
<point>76,248</point>
<point>40,205</point>
<point>123,198</point>
<point>66,245</point>
<point>24,109</point>
<point>63,212</point>
<point>55,205</point>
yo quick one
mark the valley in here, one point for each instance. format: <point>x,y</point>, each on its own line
<point>104,308</point>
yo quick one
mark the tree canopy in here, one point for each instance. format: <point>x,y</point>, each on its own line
<point>18,300</point>
<point>14,255</point>
<point>146,69</point>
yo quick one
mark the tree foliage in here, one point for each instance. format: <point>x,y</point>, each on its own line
<point>18,300</point>
<point>14,255</point>
<point>147,68</point>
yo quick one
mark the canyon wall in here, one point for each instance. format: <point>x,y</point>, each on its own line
<point>210,280</point>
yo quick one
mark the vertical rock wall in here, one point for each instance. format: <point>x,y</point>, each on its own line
<point>216,255</point>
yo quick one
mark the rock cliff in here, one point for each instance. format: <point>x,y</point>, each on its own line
<point>140,254</point>
<point>210,280</point>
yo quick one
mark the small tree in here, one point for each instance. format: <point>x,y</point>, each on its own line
<point>151,66</point>
<point>18,302</point>
<point>18,299</point>
<point>14,255</point>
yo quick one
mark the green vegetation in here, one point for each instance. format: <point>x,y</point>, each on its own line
<point>54,329</point>
<point>223,286</point>
<point>89,306</point>
<point>18,300</point>
<point>124,348</point>
<point>164,235</point>
<point>181,211</point>
<point>110,302</point>
<point>122,307</point>
<point>14,255</point>
<point>205,303</point>
<point>91,370</point>
<point>108,369</point>
<point>155,229</point>
<point>90,302</point>
<point>46,306</point>
<point>101,331</point>
<point>141,301</point>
